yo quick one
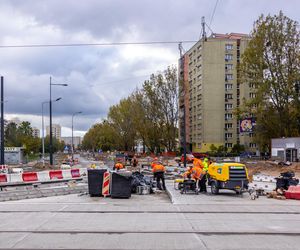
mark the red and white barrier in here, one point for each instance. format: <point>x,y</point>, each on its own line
<point>105,186</point>
<point>43,176</point>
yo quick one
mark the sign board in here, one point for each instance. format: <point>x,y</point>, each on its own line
<point>12,149</point>
<point>247,125</point>
<point>290,145</point>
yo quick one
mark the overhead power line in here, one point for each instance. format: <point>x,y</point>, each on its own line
<point>213,13</point>
<point>93,44</point>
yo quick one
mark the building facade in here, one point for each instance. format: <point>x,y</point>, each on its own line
<point>286,149</point>
<point>56,131</point>
<point>210,91</point>
<point>76,140</point>
<point>35,132</point>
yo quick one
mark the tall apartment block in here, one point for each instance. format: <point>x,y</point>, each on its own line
<point>210,91</point>
<point>56,131</point>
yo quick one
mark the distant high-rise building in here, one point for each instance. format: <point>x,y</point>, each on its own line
<point>68,140</point>
<point>56,131</point>
<point>35,132</point>
<point>210,90</point>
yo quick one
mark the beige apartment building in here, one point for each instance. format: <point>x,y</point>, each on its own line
<point>35,132</point>
<point>56,131</point>
<point>210,91</point>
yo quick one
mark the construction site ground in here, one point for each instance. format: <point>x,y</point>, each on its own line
<point>271,168</point>
<point>160,221</point>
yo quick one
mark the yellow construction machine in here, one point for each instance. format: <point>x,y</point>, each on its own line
<point>228,175</point>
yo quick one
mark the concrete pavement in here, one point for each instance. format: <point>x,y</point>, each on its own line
<point>150,222</point>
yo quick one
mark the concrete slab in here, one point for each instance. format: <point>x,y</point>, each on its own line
<point>108,241</point>
<point>149,222</point>
<point>225,197</point>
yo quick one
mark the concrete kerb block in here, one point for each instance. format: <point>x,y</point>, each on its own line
<point>169,194</point>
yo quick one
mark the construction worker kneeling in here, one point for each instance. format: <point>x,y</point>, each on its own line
<point>159,173</point>
<point>199,175</point>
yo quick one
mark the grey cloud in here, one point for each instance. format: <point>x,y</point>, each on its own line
<point>99,76</point>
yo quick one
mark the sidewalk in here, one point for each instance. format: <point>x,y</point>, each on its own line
<point>225,197</point>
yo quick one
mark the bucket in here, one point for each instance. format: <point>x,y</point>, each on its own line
<point>143,190</point>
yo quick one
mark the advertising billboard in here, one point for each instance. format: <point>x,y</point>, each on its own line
<point>247,125</point>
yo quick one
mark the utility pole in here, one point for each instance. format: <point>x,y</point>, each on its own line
<point>50,135</point>
<point>2,123</point>
<point>182,82</point>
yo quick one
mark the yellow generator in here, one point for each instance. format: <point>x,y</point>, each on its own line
<point>228,175</point>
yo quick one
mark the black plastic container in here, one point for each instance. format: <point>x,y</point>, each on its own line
<point>121,185</point>
<point>95,181</point>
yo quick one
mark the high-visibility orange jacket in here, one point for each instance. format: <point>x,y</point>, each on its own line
<point>197,163</point>
<point>158,168</point>
<point>187,174</point>
<point>197,173</point>
<point>119,166</point>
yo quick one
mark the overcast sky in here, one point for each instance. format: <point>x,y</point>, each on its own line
<point>100,76</point>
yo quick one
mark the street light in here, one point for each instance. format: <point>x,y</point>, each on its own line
<point>43,136</point>
<point>50,110</point>
<point>76,113</point>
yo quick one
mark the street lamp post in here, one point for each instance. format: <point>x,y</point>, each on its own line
<point>43,126</point>
<point>72,143</point>
<point>50,111</point>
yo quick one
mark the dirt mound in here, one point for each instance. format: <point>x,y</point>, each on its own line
<point>271,168</point>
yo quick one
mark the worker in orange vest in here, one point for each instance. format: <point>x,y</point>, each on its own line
<point>188,173</point>
<point>118,166</point>
<point>197,174</point>
<point>154,162</point>
<point>159,173</point>
<point>197,163</point>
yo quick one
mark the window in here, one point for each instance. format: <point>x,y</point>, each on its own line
<point>252,95</point>
<point>228,96</point>
<point>228,66</point>
<point>199,87</point>
<point>228,145</point>
<point>228,135</point>
<point>228,106</point>
<point>199,117</point>
<point>228,116</point>
<point>199,77</point>
<point>228,86</point>
<point>252,145</point>
<point>252,85</point>
<point>229,46</point>
<point>228,57</point>
<point>228,77</point>
<point>251,135</point>
<point>228,125</point>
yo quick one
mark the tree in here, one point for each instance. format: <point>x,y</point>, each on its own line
<point>160,103</point>
<point>237,148</point>
<point>25,129</point>
<point>100,136</point>
<point>121,118</point>
<point>271,65</point>
<point>11,135</point>
<point>56,144</point>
